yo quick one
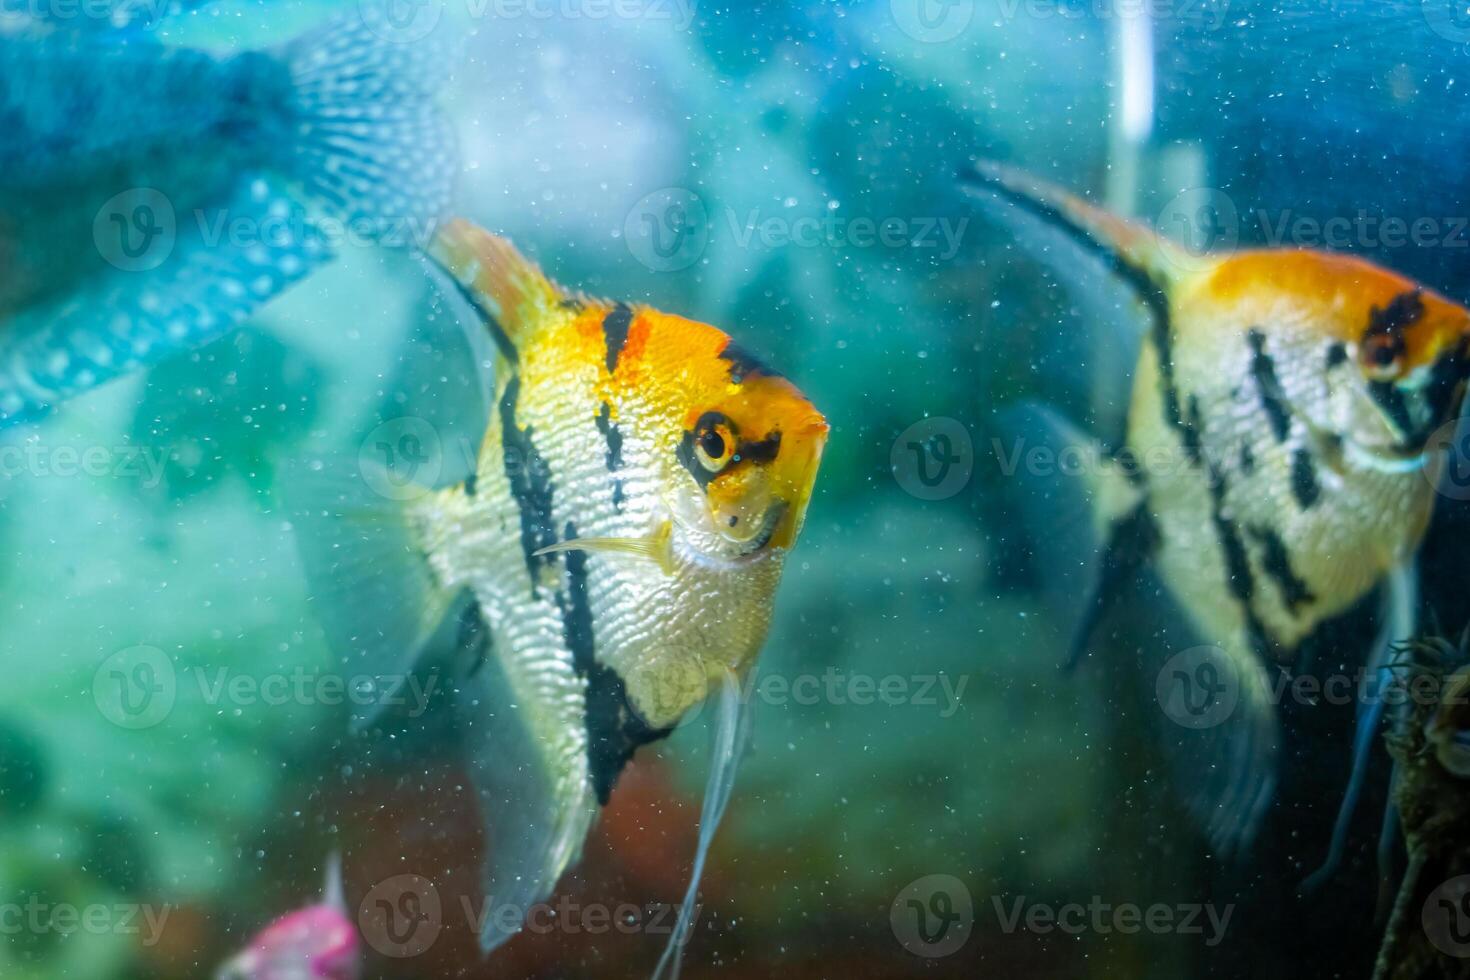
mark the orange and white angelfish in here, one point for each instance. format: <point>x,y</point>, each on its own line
<point>1283,435</point>
<point>640,483</point>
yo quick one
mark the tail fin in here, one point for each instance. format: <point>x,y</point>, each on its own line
<point>360,536</point>
<point>189,291</point>
<point>362,138</point>
<point>365,137</point>
<point>509,292</point>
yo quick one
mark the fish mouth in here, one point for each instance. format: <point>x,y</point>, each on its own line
<point>769,524</point>
<point>1394,455</point>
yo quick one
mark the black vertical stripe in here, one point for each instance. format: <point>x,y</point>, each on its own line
<point>530,484</point>
<point>615,328</point>
<point>614,730</point>
<point>1304,485</point>
<point>1268,386</point>
<point>613,436</point>
<point>492,325</point>
<point>1132,542</point>
<point>1276,562</point>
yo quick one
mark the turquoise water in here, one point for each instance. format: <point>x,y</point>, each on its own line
<point>928,793</point>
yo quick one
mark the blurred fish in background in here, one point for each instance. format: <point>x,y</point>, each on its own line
<point>156,196</point>
<point>717,128</point>
<point>318,942</point>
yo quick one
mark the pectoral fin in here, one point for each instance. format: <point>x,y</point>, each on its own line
<point>657,547</point>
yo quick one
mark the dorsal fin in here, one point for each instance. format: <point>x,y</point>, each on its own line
<point>509,291</point>
<point>1147,261</point>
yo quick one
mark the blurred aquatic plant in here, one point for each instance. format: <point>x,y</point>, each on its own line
<point>1430,743</point>
<point>232,409</point>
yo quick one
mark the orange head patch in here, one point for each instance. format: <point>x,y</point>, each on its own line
<point>749,441</point>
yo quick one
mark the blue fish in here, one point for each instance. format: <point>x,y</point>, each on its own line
<point>154,197</point>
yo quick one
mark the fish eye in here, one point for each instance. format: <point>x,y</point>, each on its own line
<point>1382,356</point>
<point>714,443</point>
